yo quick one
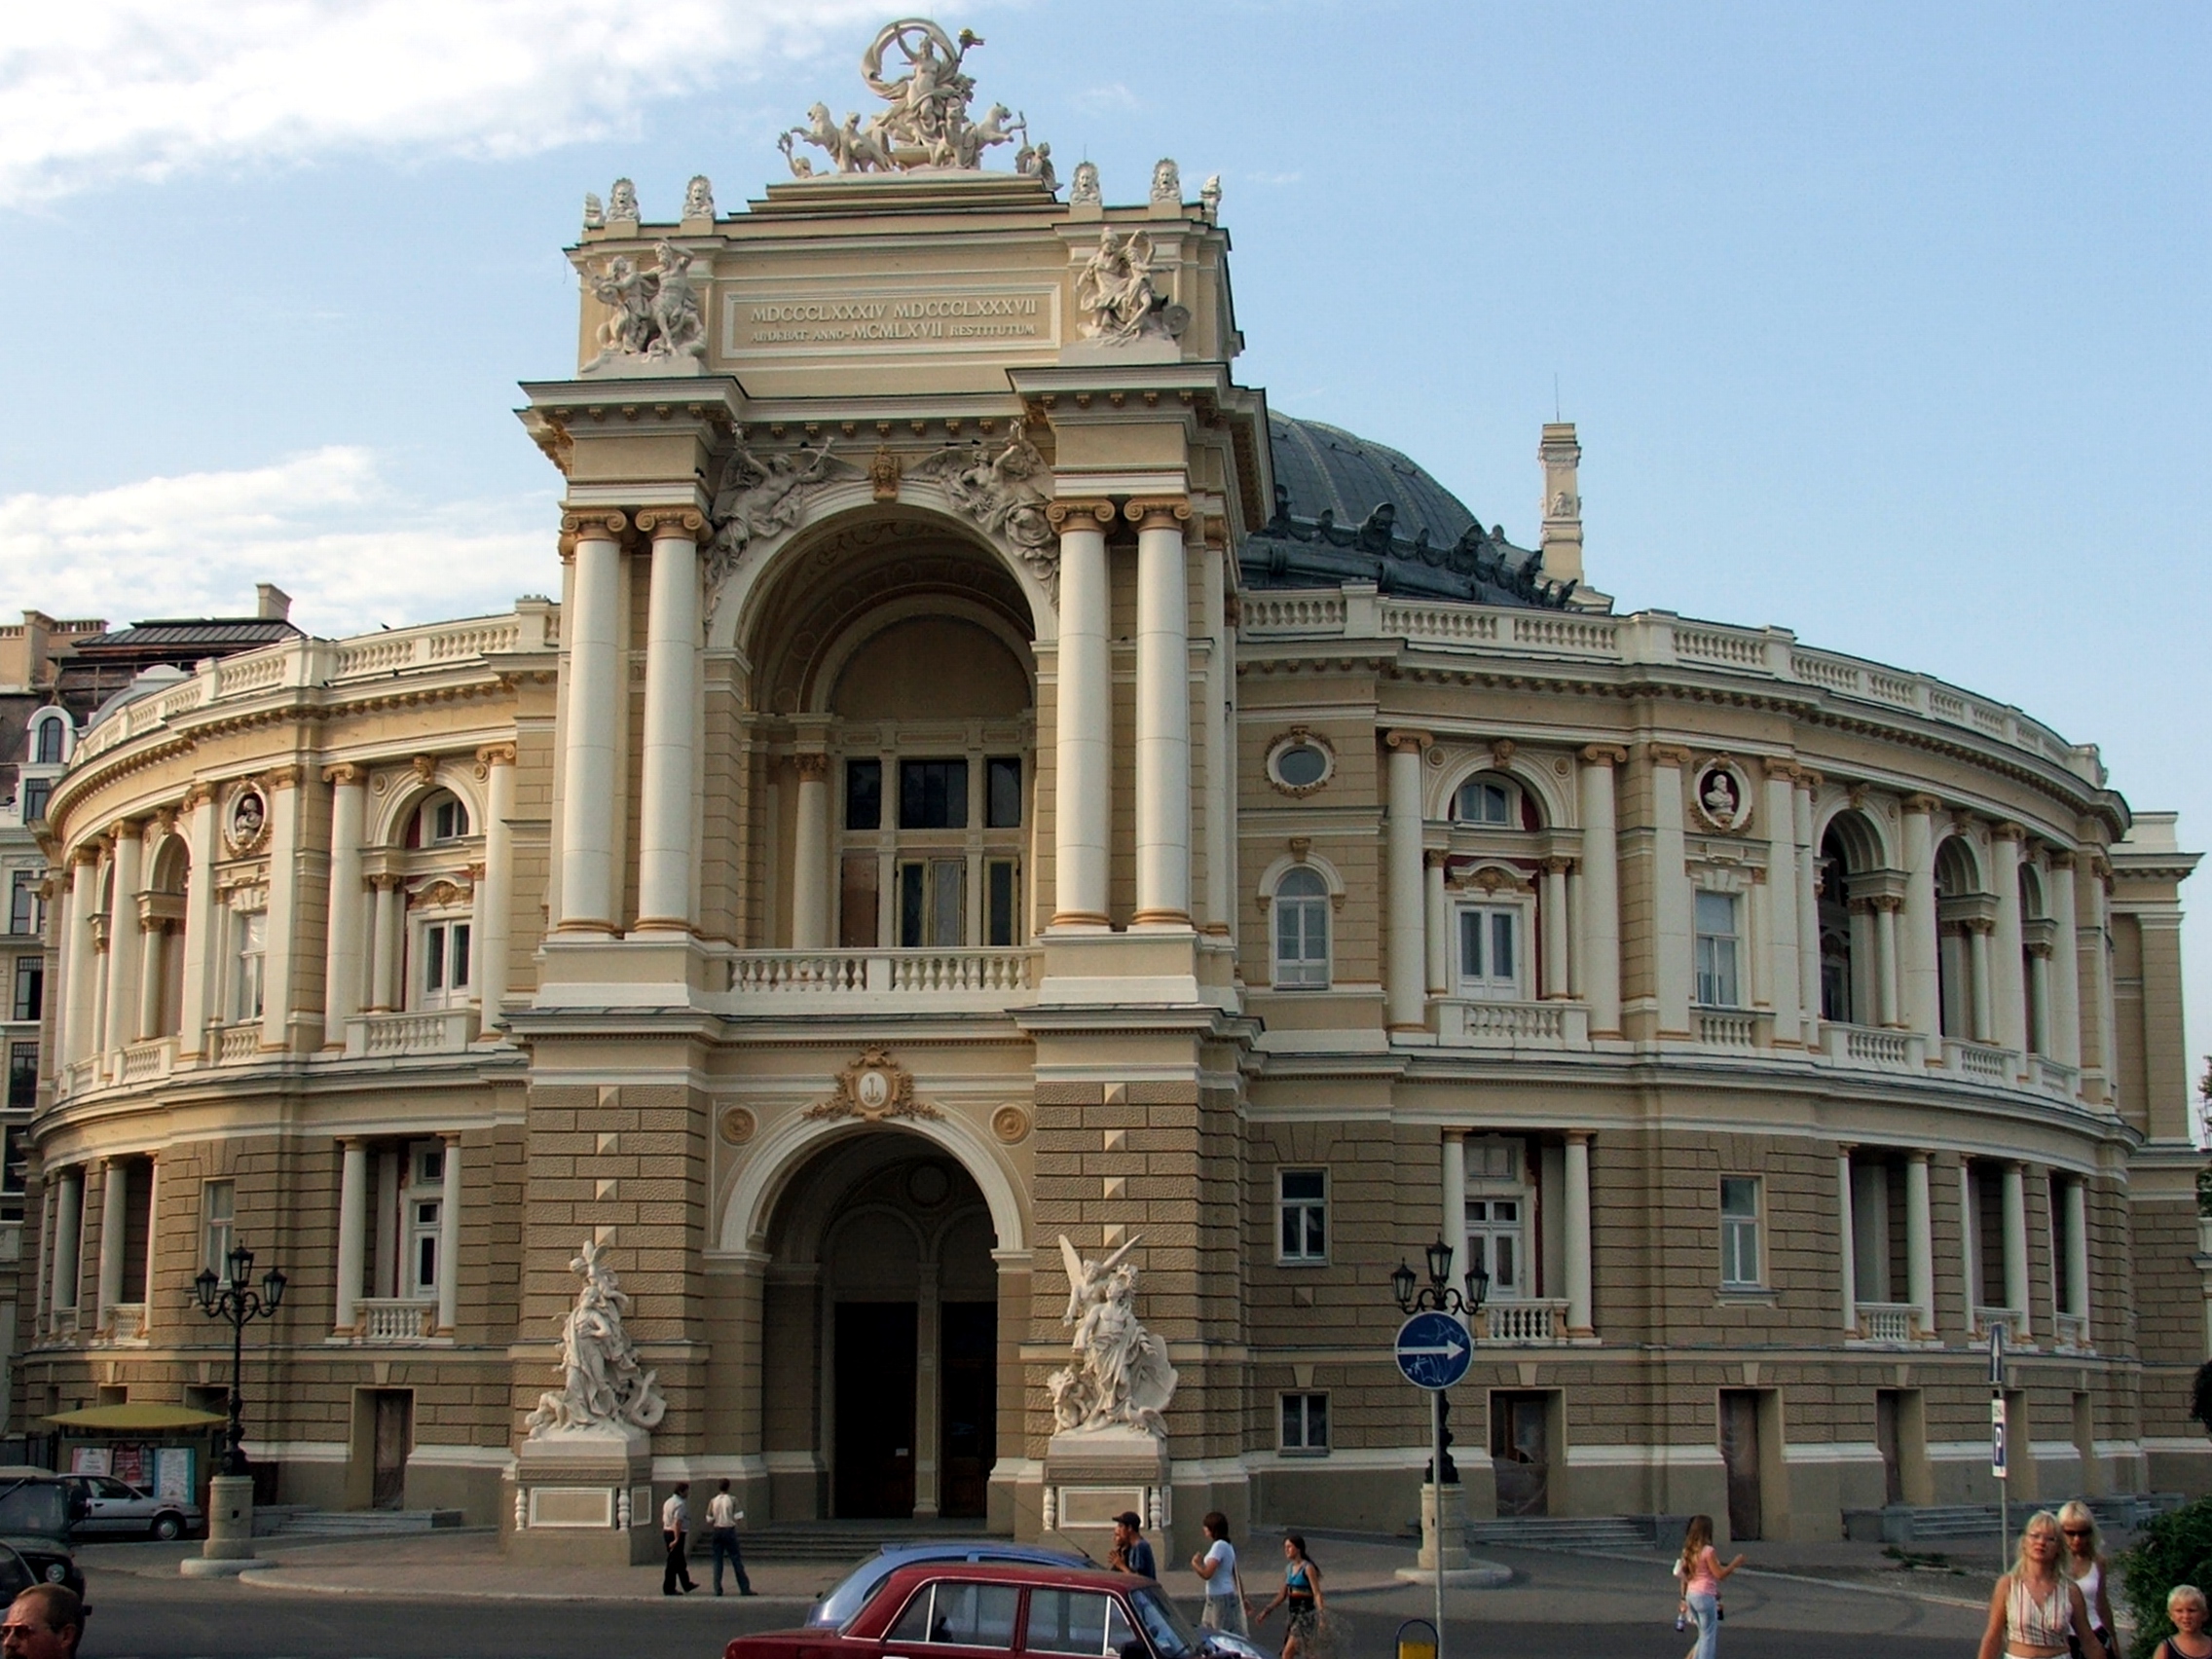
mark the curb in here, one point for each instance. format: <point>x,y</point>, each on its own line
<point>275,1579</point>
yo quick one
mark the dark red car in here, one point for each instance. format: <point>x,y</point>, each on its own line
<point>964,1609</point>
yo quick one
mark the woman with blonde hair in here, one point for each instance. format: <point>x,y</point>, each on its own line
<point>1701,1571</point>
<point>2086,1566</point>
<point>2036,1612</point>
<point>2186,1607</point>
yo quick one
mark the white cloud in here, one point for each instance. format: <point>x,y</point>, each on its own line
<point>102,89</point>
<point>323,526</point>
<point>1273,178</point>
<point>1111,97</point>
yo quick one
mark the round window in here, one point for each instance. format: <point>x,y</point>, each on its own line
<point>1301,766</point>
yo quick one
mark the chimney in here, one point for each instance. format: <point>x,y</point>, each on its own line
<point>271,604</point>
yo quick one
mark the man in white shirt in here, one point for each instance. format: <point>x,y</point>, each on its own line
<point>676,1533</point>
<point>722,1517</point>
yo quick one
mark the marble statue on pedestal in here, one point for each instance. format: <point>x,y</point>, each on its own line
<point>1115,295</point>
<point>1121,1377</point>
<point>602,1388</point>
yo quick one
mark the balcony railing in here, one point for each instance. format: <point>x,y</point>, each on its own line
<point>126,1323</point>
<point>1874,1046</point>
<point>147,1063</point>
<point>1980,1061</point>
<point>1890,1323</point>
<point>943,978</point>
<point>1721,1029</point>
<point>2072,1331</point>
<point>1538,1321</point>
<point>391,1036</point>
<point>393,1321</point>
<point>239,1044</point>
<point>2011,1318</point>
<point>1512,1024</point>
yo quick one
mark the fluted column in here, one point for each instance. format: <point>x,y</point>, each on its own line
<point>1923,1000</point>
<point>2008,988</point>
<point>202,929</point>
<point>2065,965</point>
<point>1782,909</point>
<point>1162,716</point>
<point>1672,903</point>
<point>115,1195</point>
<point>1555,927</point>
<point>810,855</point>
<point>83,965</point>
<point>68,1235</point>
<point>1083,788</point>
<point>668,783</point>
<point>2016,1296</point>
<point>1580,1315</point>
<point>594,708</point>
<point>1405,992</point>
<point>1847,1241</point>
<point>1600,882</point>
<point>353,1230</point>
<point>449,1237</point>
<point>342,946</point>
<point>123,935</point>
<point>1438,924</point>
<point>1804,782</point>
<point>495,894</point>
<point>383,944</point>
<point>1919,1242</point>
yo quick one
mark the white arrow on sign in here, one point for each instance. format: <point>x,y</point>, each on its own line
<point>1447,1351</point>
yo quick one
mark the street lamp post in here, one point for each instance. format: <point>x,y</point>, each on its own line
<point>233,1299</point>
<point>1440,1295</point>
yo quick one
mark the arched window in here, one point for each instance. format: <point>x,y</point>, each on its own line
<point>1490,801</point>
<point>47,745</point>
<point>440,819</point>
<point>1302,929</point>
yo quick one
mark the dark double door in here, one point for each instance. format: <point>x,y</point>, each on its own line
<point>878,1369</point>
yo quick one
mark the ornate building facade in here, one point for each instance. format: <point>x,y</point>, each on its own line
<point>988,781</point>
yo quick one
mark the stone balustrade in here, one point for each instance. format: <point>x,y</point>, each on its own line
<point>832,979</point>
<point>1481,1024</point>
<point>2071,1331</point>
<point>389,1321</point>
<point>1539,1321</point>
<point>1888,1324</point>
<point>388,1036</point>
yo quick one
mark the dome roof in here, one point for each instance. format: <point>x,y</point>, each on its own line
<point>1349,509</point>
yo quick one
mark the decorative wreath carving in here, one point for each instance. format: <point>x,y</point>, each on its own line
<point>874,1089</point>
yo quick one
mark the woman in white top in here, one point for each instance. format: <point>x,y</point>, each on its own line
<point>1225,1593</point>
<point>2086,1566</point>
<point>2036,1610</point>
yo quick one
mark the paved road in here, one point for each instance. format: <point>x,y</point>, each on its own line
<point>1564,1606</point>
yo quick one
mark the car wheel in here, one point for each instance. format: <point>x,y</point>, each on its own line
<point>169,1527</point>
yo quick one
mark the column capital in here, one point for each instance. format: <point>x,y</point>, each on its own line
<point>2061,859</point>
<point>1558,865</point>
<point>1406,739</point>
<point>87,852</point>
<point>1158,512</point>
<point>1924,805</point>
<point>1581,1137</point>
<point>122,831</point>
<point>197,794</point>
<point>449,1138</point>
<point>494,754</point>
<point>811,765</point>
<point>384,881</point>
<point>1603,755</point>
<point>590,526</point>
<point>2005,830</point>
<point>1060,513</point>
<point>1780,766</point>
<point>1668,754</point>
<point>672,523</point>
<point>1918,1155</point>
<point>1844,1149</point>
<point>1809,780</point>
<point>345,772</point>
<point>287,777</point>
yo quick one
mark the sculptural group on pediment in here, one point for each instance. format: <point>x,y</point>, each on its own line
<point>652,314</point>
<point>926,123</point>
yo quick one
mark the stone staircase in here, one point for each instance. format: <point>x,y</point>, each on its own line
<point>841,1543</point>
<point>1907,1524</point>
<point>291,1521</point>
<point>1565,1533</point>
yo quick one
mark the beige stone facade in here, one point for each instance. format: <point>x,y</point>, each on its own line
<point>1768,1021</point>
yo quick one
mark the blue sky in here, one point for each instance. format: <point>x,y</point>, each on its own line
<point>1883,323</point>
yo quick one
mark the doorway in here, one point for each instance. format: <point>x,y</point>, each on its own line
<point>1520,1453</point>
<point>391,1436</point>
<point>1888,1438</point>
<point>875,1409</point>
<point>969,1360</point>
<point>1739,1458</point>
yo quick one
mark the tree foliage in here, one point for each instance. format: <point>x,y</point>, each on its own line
<point>2173,1548</point>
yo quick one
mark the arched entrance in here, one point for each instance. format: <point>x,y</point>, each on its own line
<point>880,1330</point>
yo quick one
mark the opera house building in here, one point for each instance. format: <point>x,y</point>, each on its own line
<point>982,776</point>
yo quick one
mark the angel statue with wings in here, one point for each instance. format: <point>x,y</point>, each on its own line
<point>1121,1376</point>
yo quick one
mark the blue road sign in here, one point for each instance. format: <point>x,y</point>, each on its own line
<point>1434,1350</point>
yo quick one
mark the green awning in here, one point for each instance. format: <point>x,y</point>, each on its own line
<point>147,1419</point>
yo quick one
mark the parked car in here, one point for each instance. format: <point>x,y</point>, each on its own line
<point>970,1609</point>
<point>853,1590</point>
<point>37,1508</point>
<point>117,1508</point>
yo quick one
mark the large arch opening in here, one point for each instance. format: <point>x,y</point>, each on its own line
<point>879,1334</point>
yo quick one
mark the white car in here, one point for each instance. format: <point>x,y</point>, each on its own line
<point>117,1508</point>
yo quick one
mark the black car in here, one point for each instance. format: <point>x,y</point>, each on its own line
<point>37,1510</point>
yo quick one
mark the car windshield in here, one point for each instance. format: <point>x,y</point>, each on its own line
<point>1173,1637</point>
<point>35,1506</point>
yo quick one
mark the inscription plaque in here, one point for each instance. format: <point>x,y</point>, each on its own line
<point>936,319</point>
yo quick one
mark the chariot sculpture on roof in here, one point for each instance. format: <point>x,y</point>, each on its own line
<point>927,125</point>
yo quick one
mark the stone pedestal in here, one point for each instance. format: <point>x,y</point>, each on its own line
<point>1092,1475</point>
<point>229,1548</point>
<point>583,1498</point>
<point>1443,1530</point>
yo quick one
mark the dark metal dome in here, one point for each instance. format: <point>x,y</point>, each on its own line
<point>1348,509</point>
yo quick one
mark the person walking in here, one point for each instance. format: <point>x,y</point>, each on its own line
<point>2036,1610</point>
<point>1701,1570</point>
<point>722,1517</point>
<point>1301,1594</point>
<point>2186,1607</point>
<point>1225,1591</point>
<point>676,1533</point>
<point>2086,1566</point>
<point>1131,1553</point>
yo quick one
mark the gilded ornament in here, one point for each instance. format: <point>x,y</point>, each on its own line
<point>874,1089</point>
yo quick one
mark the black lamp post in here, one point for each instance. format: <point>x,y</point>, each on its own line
<point>234,1300</point>
<point>1440,1295</point>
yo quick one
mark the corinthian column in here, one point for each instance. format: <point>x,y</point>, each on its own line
<point>1162,716</point>
<point>1083,803</point>
<point>1406,992</point>
<point>669,778</point>
<point>594,708</point>
<point>1600,889</point>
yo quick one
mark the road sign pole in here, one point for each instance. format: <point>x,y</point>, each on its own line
<point>1436,1473</point>
<point>2000,1459</point>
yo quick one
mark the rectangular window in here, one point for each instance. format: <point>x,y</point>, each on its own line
<point>863,794</point>
<point>218,1227</point>
<point>1490,954</point>
<point>933,795</point>
<point>856,902</point>
<point>1716,950</point>
<point>37,792</point>
<point>30,986</point>
<point>23,1076</point>
<point>24,908</point>
<point>444,962</point>
<point>1495,1237</point>
<point>933,903</point>
<point>1305,1423</point>
<point>1002,893</point>
<point>15,1171</point>
<point>1001,808</point>
<point>960,1615</point>
<point>1304,1206</point>
<point>253,937</point>
<point>423,1245</point>
<point>448,821</point>
<point>1739,1232</point>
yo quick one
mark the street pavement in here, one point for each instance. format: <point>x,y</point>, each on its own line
<point>447,1595</point>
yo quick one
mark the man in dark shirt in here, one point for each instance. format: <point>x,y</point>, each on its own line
<point>1131,1554</point>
